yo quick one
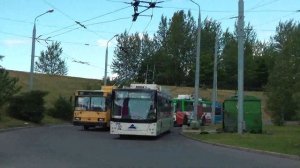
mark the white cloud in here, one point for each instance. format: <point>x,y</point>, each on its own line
<point>15,42</point>
<point>103,42</point>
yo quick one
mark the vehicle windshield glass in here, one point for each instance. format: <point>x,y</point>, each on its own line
<point>189,106</point>
<point>134,105</point>
<point>90,103</point>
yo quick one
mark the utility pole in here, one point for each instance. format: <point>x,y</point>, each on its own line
<point>241,67</point>
<point>215,80</point>
<point>197,72</point>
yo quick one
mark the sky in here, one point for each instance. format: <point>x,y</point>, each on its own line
<point>84,49</point>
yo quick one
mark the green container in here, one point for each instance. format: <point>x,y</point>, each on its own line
<point>252,114</point>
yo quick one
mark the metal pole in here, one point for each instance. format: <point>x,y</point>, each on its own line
<point>197,72</point>
<point>33,49</point>
<point>215,81</point>
<point>241,67</point>
<point>32,57</point>
<point>106,56</point>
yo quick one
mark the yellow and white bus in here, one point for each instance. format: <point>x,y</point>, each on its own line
<point>141,109</point>
<point>92,108</point>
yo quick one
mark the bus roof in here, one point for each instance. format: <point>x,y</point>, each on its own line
<point>145,86</point>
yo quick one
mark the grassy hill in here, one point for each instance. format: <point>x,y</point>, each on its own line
<point>65,86</point>
<point>55,85</point>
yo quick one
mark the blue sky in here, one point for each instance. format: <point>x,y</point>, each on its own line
<point>17,16</point>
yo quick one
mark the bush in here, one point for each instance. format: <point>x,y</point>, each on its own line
<point>8,86</point>
<point>62,109</point>
<point>28,106</point>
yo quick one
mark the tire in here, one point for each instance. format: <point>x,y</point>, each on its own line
<point>185,120</point>
<point>85,127</point>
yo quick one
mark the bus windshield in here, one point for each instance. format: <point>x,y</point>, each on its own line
<point>88,103</point>
<point>189,106</point>
<point>134,105</point>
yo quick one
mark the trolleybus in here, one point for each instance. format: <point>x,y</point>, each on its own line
<point>183,109</point>
<point>92,108</point>
<point>142,109</point>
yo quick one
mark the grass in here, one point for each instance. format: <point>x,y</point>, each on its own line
<point>9,122</point>
<point>281,139</point>
<point>55,85</point>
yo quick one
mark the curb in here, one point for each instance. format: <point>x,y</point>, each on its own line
<point>16,128</point>
<point>281,155</point>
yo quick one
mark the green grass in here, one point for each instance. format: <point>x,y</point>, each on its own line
<point>284,139</point>
<point>55,85</point>
<point>8,122</point>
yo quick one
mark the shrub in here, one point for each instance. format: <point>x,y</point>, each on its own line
<point>8,86</point>
<point>28,106</point>
<point>62,109</point>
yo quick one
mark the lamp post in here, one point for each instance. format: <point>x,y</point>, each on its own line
<point>106,55</point>
<point>197,72</point>
<point>33,48</point>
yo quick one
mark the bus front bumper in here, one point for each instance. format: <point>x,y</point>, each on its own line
<point>86,123</point>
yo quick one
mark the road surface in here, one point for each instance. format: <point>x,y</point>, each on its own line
<point>69,146</point>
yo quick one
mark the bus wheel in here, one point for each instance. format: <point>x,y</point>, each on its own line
<point>85,127</point>
<point>106,128</point>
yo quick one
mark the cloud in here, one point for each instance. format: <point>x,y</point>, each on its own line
<point>103,42</point>
<point>15,42</point>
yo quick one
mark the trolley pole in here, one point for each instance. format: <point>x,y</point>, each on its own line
<point>241,67</point>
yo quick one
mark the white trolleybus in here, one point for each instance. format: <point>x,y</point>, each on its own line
<point>141,109</point>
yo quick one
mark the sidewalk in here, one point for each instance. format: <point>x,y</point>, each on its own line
<point>211,129</point>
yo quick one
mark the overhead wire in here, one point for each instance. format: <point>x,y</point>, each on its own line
<point>262,5</point>
<point>51,40</point>
<point>24,21</point>
<point>93,18</point>
<point>279,18</point>
<point>67,56</point>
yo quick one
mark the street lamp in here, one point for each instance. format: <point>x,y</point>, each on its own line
<point>33,48</point>
<point>197,72</point>
<point>106,55</point>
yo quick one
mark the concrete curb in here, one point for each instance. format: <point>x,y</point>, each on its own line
<point>281,155</point>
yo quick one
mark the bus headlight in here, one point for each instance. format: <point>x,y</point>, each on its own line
<point>77,118</point>
<point>100,119</point>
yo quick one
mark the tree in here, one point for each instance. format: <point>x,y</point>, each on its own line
<point>181,42</point>
<point>28,106</point>
<point>8,85</point>
<point>147,67</point>
<point>127,59</point>
<point>62,109</point>
<point>228,64</point>
<point>208,37</point>
<point>229,58</point>
<point>283,84</point>
<point>50,62</point>
<point>1,57</point>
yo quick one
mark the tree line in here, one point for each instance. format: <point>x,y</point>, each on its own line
<point>168,58</point>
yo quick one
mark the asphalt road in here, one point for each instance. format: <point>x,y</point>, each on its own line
<point>69,146</point>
